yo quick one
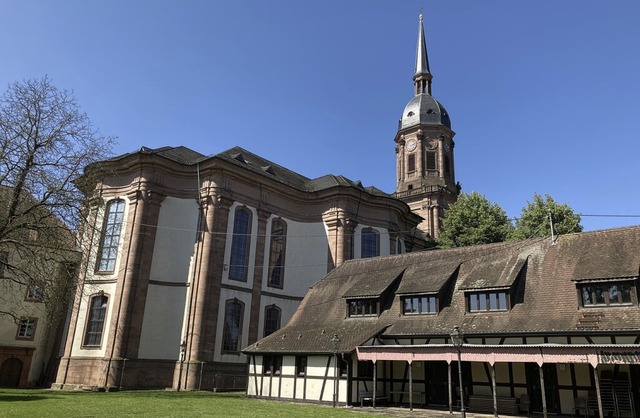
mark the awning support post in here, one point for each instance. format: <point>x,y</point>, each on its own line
<point>375,383</point>
<point>542,389</point>
<point>450,388</point>
<point>597,380</point>
<point>493,389</point>
<point>410,386</point>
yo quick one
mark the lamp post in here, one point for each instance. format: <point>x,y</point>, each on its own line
<point>457,338</point>
<point>183,349</point>
<point>336,342</point>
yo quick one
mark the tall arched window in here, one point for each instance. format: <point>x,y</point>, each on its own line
<point>278,248</point>
<point>113,217</point>
<point>240,245</point>
<point>95,321</point>
<point>271,319</point>
<point>232,332</point>
<point>370,243</point>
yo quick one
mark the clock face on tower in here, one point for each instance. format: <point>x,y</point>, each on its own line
<point>411,145</point>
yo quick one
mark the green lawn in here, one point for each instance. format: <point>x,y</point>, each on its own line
<point>48,403</point>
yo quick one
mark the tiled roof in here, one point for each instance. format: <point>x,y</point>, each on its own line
<point>541,275</point>
<point>417,279</point>
<point>496,270</point>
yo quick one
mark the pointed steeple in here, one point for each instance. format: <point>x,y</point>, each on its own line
<point>422,77</point>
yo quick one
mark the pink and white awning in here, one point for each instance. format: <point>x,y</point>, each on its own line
<point>540,354</point>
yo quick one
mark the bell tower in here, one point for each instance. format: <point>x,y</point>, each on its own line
<point>424,150</point>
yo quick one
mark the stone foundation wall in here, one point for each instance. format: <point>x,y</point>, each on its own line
<point>129,374</point>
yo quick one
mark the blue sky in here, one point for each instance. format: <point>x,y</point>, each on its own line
<point>543,95</point>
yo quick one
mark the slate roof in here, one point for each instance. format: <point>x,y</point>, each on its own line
<point>181,154</point>
<point>542,277</point>
<point>247,160</point>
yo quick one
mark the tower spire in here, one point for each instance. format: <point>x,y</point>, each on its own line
<point>422,76</point>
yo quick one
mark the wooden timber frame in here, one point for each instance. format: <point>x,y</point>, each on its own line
<point>593,354</point>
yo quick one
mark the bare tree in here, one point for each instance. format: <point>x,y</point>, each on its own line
<point>45,143</point>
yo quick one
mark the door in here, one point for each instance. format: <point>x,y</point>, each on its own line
<point>10,373</point>
<point>437,383</point>
<point>534,387</point>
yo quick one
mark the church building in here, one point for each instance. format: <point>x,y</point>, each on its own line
<point>424,162</point>
<point>190,258</point>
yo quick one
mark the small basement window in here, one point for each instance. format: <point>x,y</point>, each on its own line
<point>363,307</point>
<point>607,294</point>
<point>488,301</point>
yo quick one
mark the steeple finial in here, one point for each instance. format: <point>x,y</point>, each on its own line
<point>422,77</point>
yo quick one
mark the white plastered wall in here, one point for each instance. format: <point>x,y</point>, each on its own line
<point>305,257</point>
<point>172,253</point>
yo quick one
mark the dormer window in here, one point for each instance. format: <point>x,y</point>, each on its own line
<point>363,307</point>
<point>419,305</point>
<point>488,301</point>
<point>618,293</point>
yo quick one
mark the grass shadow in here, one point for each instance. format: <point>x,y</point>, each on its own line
<point>22,398</point>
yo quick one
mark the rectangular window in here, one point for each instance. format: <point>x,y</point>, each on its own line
<point>114,216</point>
<point>419,305</point>
<point>607,294</point>
<point>301,365</point>
<point>27,329</point>
<point>35,293</point>
<point>363,307</point>
<point>430,161</point>
<point>271,365</point>
<point>488,301</point>
<point>411,163</point>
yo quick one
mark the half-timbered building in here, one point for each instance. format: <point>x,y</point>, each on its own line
<point>541,325</point>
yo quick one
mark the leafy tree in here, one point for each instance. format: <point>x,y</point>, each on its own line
<point>45,143</point>
<point>534,219</point>
<point>473,220</point>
